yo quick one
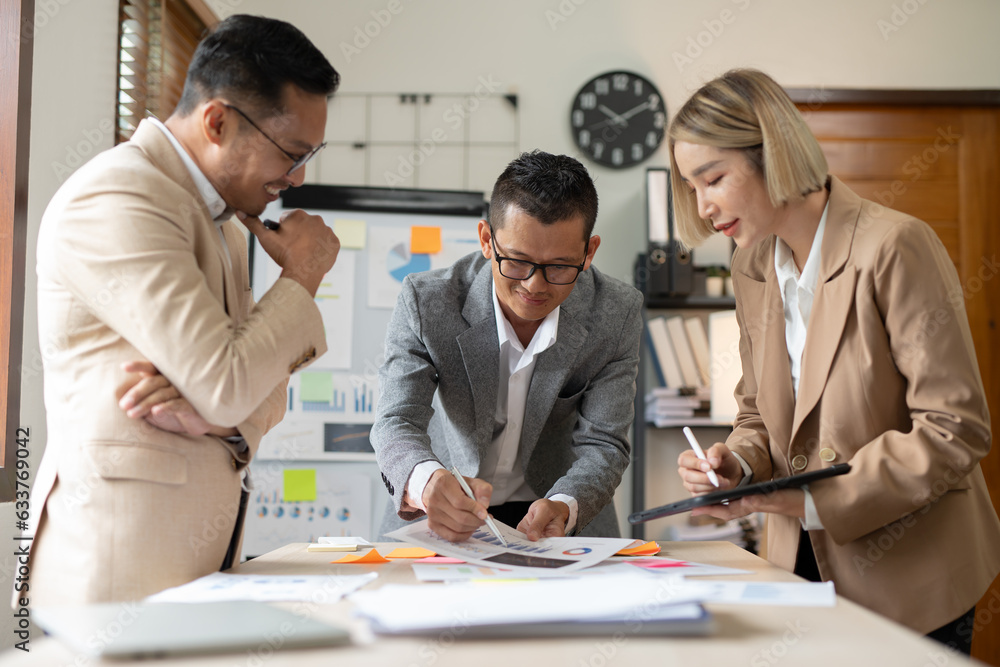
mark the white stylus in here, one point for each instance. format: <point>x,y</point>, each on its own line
<point>712,477</point>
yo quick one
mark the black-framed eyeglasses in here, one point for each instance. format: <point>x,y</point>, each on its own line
<point>297,161</point>
<point>519,269</point>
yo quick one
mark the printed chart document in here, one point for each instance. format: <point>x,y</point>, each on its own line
<point>221,587</point>
<point>549,554</point>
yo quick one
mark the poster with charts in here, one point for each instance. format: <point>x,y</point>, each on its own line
<point>390,259</point>
<point>328,416</point>
<point>341,507</point>
<point>335,300</point>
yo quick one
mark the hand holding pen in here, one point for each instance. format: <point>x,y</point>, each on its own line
<point>695,465</point>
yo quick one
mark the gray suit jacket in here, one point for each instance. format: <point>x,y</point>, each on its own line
<point>440,378</point>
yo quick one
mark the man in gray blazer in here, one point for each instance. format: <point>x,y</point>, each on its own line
<point>517,366</point>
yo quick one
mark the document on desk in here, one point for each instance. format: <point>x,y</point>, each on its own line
<point>222,587</point>
<point>628,603</point>
<point>547,555</point>
<point>765,593</point>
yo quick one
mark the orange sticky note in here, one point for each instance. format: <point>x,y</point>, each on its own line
<point>410,552</point>
<point>646,549</point>
<point>368,558</point>
<point>425,240</point>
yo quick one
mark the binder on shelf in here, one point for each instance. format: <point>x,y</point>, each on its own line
<point>666,359</point>
<point>682,348</point>
<point>669,262</point>
<point>699,345</point>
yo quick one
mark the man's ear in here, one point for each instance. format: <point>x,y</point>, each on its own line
<point>214,120</point>
<point>484,239</point>
<point>592,246</point>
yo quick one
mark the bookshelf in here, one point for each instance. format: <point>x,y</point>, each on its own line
<point>655,449</point>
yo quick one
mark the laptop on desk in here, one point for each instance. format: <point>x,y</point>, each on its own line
<point>127,630</point>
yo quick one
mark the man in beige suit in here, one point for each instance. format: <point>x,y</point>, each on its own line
<point>141,267</point>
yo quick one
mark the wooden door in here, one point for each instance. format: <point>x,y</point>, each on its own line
<point>940,163</point>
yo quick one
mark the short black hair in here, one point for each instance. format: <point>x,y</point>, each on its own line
<point>250,60</point>
<point>549,188</point>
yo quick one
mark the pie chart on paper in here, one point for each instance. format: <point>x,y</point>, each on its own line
<point>401,262</point>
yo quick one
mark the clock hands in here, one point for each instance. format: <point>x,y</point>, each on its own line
<point>615,118</point>
<point>631,112</point>
<point>618,119</point>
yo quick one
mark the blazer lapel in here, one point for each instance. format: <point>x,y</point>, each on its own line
<point>832,303</point>
<point>763,307</point>
<point>480,352</point>
<point>155,143</point>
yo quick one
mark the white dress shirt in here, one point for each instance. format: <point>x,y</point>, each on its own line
<point>797,293</point>
<point>502,465</point>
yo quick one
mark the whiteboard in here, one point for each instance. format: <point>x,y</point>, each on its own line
<point>331,403</point>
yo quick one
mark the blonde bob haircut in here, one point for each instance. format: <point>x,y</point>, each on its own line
<point>747,110</point>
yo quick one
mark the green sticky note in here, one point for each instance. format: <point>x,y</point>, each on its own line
<point>316,387</point>
<point>352,233</point>
<point>299,485</point>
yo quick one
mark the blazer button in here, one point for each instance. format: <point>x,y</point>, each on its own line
<point>827,454</point>
<point>233,461</point>
<point>799,462</point>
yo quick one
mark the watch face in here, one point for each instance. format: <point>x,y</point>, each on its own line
<point>618,119</point>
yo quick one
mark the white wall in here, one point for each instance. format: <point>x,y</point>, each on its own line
<point>442,46</point>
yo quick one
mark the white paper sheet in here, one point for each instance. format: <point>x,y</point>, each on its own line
<point>222,587</point>
<point>399,608</point>
<point>562,554</point>
<point>769,593</point>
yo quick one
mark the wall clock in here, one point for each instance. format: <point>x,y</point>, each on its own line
<point>618,119</point>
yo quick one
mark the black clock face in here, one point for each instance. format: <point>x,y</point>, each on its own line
<point>618,119</point>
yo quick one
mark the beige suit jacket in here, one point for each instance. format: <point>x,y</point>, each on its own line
<point>131,266</point>
<point>889,384</point>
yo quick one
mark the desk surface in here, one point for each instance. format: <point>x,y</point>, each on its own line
<point>846,634</point>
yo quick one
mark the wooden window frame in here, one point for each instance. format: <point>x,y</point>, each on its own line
<point>16,45</point>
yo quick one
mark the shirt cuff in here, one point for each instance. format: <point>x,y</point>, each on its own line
<point>747,471</point>
<point>812,520</point>
<point>573,509</point>
<point>418,480</point>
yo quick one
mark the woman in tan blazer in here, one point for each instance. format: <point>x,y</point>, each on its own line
<point>855,348</point>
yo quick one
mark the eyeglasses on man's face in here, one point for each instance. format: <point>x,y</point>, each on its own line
<point>298,161</point>
<point>519,269</point>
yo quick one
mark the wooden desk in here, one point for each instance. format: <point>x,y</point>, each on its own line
<point>846,634</point>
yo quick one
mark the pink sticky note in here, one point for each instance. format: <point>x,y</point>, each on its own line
<point>657,563</point>
<point>441,560</point>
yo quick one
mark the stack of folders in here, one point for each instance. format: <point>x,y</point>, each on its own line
<point>681,360</point>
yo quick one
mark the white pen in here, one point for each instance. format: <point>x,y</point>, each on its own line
<point>489,520</point>
<point>712,477</point>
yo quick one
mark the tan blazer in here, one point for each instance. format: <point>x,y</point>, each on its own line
<point>889,384</point>
<point>131,266</point>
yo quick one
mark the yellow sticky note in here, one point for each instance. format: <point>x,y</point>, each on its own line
<point>352,233</point>
<point>410,552</point>
<point>645,549</point>
<point>299,485</point>
<point>425,240</point>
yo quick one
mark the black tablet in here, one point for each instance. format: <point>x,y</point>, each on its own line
<point>716,497</point>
